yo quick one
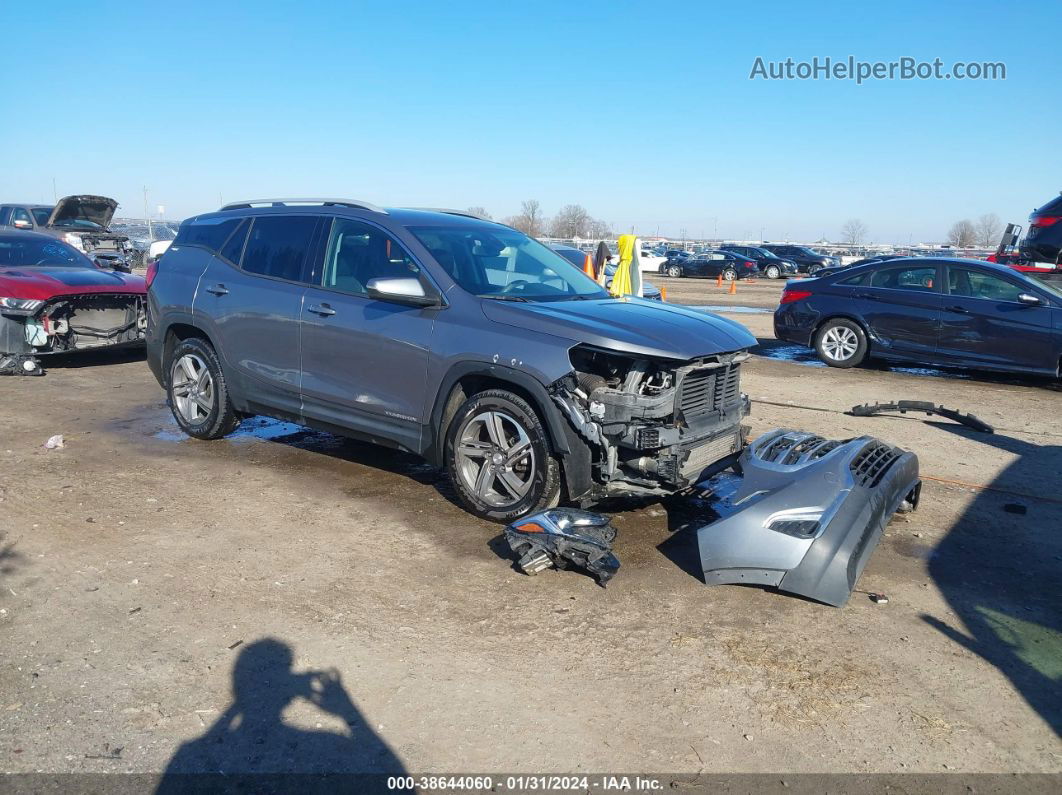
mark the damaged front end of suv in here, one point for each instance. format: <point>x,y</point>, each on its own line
<point>654,426</point>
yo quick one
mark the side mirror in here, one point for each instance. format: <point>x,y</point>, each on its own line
<point>19,223</point>
<point>400,290</point>
<point>1029,299</point>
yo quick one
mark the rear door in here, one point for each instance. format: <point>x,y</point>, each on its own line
<point>255,309</point>
<point>364,361</point>
<point>902,307</point>
<point>985,323</point>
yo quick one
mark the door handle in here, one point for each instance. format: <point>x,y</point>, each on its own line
<point>217,289</point>
<point>324,310</point>
<point>959,309</point>
<point>867,296</point>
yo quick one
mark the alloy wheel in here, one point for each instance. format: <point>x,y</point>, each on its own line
<point>840,343</point>
<point>495,459</point>
<point>192,389</point>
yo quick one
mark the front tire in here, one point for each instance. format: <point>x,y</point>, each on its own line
<point>498,458</point>
<point>841,343</point>
<point>674,271</point>
<point>772,272</point>
<point>198,393</point>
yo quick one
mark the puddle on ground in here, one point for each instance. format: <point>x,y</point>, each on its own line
<point>262,428</point>
<point>734,310</point>
<point>790,353</point>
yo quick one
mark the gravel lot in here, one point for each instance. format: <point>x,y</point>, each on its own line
<point>137,568</point>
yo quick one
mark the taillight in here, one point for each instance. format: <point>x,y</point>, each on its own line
<point>152,271</point>
<point>789,296</point>
<point>1041,221</point>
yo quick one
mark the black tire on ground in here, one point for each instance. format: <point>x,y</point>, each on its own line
<point>841,343</point>
<point>472,445</point>
<point>772,272</point>
<point>201,406</point>
<point>729,274</point>
<point>674,271</point>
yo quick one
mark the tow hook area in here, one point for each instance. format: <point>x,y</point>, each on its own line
<point>563,538</point>
<point>808,513</point>
<point>20,364</point>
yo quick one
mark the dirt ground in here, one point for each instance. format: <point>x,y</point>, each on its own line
<point>142,576</point>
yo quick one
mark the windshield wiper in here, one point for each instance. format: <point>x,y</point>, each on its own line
<point>500,297</point>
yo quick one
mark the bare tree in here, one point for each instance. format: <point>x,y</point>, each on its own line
<point>989,229</point>
<point>572,221</point>
<point>532,211</point>
<point>480,211</point>
<point>962,234</point>
<point>600,230</point>
<point>854,231</point>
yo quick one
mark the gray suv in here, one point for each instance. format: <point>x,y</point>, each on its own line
<point>458,339</point>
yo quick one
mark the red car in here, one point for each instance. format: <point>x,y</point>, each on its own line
<point>53,298</point>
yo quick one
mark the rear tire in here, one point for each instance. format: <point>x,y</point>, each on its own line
<point>841,343</point>
<point>198,393</point>
<point>499,459</point>
<point>729,275</point>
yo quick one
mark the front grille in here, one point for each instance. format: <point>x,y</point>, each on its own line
<point>872,462</point>
<point>710,389</point>
<point>796,448</point>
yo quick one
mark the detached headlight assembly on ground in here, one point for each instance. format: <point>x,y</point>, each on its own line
<point>21,304</point>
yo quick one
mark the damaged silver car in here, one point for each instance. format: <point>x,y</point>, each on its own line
<point>461,340</point>
<point>79,221</point>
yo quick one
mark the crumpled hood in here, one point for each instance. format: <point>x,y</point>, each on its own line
<point>97,209</point>
<point>50,281</point>
<point>631,325</point>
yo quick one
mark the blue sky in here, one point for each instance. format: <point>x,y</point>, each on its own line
<point>642,112</point>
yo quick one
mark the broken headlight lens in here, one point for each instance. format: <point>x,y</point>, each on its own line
<point>20,304</point>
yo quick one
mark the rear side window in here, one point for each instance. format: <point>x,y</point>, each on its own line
<point>208,233</point>
<point>278,246</point>
<point>234,247</point>
<point>917,278</point>
<point>859,278</point>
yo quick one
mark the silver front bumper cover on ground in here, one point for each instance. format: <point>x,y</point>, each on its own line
<point>808,513</point>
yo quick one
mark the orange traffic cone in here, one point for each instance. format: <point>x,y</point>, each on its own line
<point>663,294</point>
<point>733,287</point>
<point>588,267</point>
<point>719,280</point>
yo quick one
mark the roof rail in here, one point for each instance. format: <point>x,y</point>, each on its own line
<point>354,203</point>
<point>448,211</point>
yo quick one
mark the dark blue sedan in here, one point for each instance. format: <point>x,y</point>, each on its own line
<point>949,312</point>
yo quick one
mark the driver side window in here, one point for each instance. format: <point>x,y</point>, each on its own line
<point>358,253</point>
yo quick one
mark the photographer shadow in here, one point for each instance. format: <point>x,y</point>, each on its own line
<point>251,743</point>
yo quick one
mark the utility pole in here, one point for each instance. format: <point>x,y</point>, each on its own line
<point>55,193</point>
<point>151,231</point>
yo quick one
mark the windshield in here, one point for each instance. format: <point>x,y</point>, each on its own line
<point>41,215</point>
<point>32,252</point>
<point>498,262</point>
<point>77,223</point>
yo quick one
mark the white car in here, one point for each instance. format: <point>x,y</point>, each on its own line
<point>650,262</point>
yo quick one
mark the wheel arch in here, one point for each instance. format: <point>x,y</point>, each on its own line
<point>469,378</point>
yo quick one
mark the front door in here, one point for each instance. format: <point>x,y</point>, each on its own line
<point>985,323</point>
<point>364,361</point>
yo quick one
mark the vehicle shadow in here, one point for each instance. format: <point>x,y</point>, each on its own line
<point>780,350</point>
<point>251,749</point>
<point>999,570</point>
